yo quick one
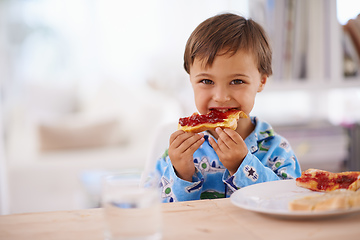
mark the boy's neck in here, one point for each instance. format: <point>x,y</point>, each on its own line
<point>245,127</point>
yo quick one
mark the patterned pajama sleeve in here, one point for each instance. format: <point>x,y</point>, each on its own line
<point>175,189</point>
<point>278,163</point>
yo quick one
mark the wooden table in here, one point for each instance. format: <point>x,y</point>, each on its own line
<point>205,219</point>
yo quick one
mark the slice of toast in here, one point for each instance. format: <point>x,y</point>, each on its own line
<point>229,122</point>
<point>320,180</point>
<point>340,199</point>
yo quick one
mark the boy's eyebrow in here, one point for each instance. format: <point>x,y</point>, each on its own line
<point>203,75</point>
<point>233,75</point>
<point>239,75</point>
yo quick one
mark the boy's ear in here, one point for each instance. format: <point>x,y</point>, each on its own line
<point>262,83</point>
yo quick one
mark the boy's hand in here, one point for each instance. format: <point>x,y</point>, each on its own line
<point>230,148</point>
<point>181,149</point>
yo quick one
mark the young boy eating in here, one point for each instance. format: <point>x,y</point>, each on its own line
<point>228,59</point>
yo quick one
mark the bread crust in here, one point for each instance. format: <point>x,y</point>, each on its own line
<point>229,122</point>
<point>340,199</point>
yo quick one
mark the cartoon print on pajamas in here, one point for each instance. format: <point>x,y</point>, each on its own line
<point>251,173</point>
<point>285,145</point>
<point>294,160</point>
<point>231,185</point>
<point>195,186</point>
<point>262,146</point>
<point>275,163</point>
<point>211,194</point>
<point>284,174</point>
<point>204,166</point>
<point>267,133</point>
<point>165,154</point>
<point>167,192</point>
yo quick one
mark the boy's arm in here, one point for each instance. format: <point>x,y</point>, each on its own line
<point>278,162</point>
<point>172,187</point>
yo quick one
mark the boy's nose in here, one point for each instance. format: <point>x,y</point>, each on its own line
<point>221,95</point>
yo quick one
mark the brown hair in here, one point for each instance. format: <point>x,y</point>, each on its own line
<point>229,33</point>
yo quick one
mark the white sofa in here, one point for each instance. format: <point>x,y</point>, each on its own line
<point>63,175</point>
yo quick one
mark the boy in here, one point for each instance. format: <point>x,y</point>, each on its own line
<point>228,59</point>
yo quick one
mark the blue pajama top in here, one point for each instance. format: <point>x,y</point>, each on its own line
<point>269,158</point>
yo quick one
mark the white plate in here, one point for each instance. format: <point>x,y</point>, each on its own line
<point>273,197</point>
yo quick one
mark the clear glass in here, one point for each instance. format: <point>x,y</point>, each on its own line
<point>131,207</point>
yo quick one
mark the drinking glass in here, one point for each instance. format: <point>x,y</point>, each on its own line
<point>131,206</point>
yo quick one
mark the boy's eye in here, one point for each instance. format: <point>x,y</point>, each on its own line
<point>236,81</point>
<point>207,81</point>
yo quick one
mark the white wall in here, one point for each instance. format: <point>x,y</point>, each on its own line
<point>3,76</point>
<point>3,171</point>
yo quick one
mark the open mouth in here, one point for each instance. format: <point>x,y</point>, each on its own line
<point>223,110</point>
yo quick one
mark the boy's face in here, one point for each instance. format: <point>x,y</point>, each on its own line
<point>231,82</point>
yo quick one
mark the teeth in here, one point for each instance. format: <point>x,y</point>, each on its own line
<point>223,110</point>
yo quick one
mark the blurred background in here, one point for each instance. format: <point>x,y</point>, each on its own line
<point>91,86</point>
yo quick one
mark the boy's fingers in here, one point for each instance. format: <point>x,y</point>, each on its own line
<point>193,147</point>
<point>190,141</point>
<point>175,135</point>
<point>214,145</point>
<point>233,135</point>
<point>184,140</point>
<point>228,138</point>
<point>224,141</point>
<point>178,137</point>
